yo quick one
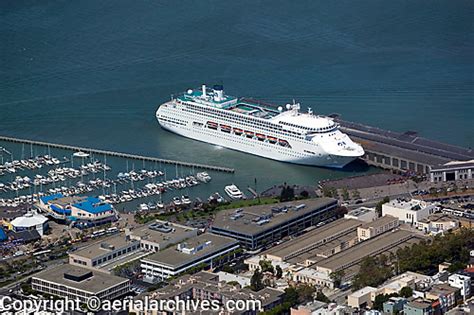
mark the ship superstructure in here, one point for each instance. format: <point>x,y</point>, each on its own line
<point>281,133</point>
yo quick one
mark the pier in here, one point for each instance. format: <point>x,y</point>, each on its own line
<point>118,154</point>
<point>402,151</point>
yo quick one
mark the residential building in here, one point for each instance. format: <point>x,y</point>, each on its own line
<point>361,298</point>
<point>364,214</point>
<point>417,307</point>
<point>158,235</point>
<point>258,226</point>
<point>408,211</point>
<point>447,296</point>
<point>462,282</point>
<point>394,305</point>
<point>79,283</point>
<point>29,222</point>
<point>205,250</point>
<point>320,308</point>
<point>378,226</point>
<point>438,222</point>
<point>207,286</point>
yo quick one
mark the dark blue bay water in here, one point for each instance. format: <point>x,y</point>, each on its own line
<point>92,73</point>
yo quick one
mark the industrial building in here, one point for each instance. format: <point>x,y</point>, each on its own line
<point>203,250</point>
<point>362,213</point>
<point>408,210</point>
<point>259,226</point>
<point>451,171</point>
<point>379,226</point>
<point>80,283</point>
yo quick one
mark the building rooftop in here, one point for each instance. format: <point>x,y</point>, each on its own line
<point>379,222</point>
<point>29,219</point>
<point>93,205</point>
<point>419,303</point>
<point>103,246</point>
<point>453,165</point>
<point>438,217</point>
<point>160,231</point>
<point>363,291</point>
<point>408,204</point>
<point>191,250</point>
<point>313,237</point>
<point>80,278</point>
<point>360,211</point>
<point>354,254</point>
<point>255,219</point>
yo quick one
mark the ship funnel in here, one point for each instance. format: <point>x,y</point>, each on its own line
<point>204,91</point>
<point>218,93</point>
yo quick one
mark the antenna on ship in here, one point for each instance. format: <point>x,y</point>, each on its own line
<point>310,111</point>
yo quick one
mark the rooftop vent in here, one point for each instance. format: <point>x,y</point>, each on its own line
<point>78,275</point>
<point>160,228</point>
<point>107,246</point>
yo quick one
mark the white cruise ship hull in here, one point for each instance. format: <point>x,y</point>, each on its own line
<point>194,126</point>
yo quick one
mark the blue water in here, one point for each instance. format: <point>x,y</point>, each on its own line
<point>92,73</point>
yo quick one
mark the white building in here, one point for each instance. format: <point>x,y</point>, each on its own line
<point>461,282</point>
<point>408,211</point>
<point>198,252</point>
<point>438,222</point>
<point>451,171</point>
<point>362,214</point>
<point>30,221</point>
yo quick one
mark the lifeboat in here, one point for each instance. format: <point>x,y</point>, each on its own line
<point>238,131</point>
<point>249,134</point>
<point>260,136</point>
<point>283,143</point>
<point>225,128</point>
<point>212,125</point>
<point>272,139</point>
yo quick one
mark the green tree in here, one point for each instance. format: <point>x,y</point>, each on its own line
<point>287,193</point>
<point>345,194</point>
<point>266,266</point>
<point>378,207</point>
<point>256,282</point>
<point>320,296</point>
<point>337,277</point>
<point>373,272</point>
<point>279,272</point>
<point>406,292</point>
<point>305,293</point>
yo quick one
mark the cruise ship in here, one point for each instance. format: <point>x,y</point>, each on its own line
<point>282,133</point>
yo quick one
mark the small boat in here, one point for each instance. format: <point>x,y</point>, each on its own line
<point>283,143</point>
<point>203,177</point>
<point>260,136</point>
<point>249,134</point>
<point>233,192</point>
<point>177,201</point>
<point>212,125</point>
<point>80,154</point>
<point>272,139</point>
<point>225,128</point>
<point>238,131</point>
<point>185,200</point>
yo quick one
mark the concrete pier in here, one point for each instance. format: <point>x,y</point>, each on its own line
<point>402,151</point>
<point>118,154</point>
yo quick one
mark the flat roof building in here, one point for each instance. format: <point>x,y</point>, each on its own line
<point>258,226</point>
<point>355,254</point>
<point>203,250</point>
<point>377,227</point>
<point>79,283</point>
<point>362,213</point>
<point>104,252</point>
<point>408,210</point>
<point>438,223</point>
<point>159,234</point>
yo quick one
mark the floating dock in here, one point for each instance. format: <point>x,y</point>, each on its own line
<point>402,151</point>
<point>118,154</point>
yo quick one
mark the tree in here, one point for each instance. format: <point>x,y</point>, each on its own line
<point>287,193</point>
<point>380,299</point>
<point>378,207</point>
<point>291,296</point>
<point>337,277</point>
<point>345,194</point>
<point>279,272</point>
<point>305,293</point>
<point>320,296</point>
<point>373,272</point>
<point>406,292</point>
<point>266,266</point>
<point>256,282</point>
<point>304,194</point>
